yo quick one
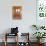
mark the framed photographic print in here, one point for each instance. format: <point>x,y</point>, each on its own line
<point>16,12</point>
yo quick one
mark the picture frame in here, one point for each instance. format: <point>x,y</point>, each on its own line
<point>16,12</point>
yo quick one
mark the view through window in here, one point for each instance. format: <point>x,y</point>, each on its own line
<point>41,8</point>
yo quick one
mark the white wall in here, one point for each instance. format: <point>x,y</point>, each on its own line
<point>28,15</point>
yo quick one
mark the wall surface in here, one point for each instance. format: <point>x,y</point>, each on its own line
<point>28,15</point>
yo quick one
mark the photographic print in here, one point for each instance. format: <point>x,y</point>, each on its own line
<point>16,12</point>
